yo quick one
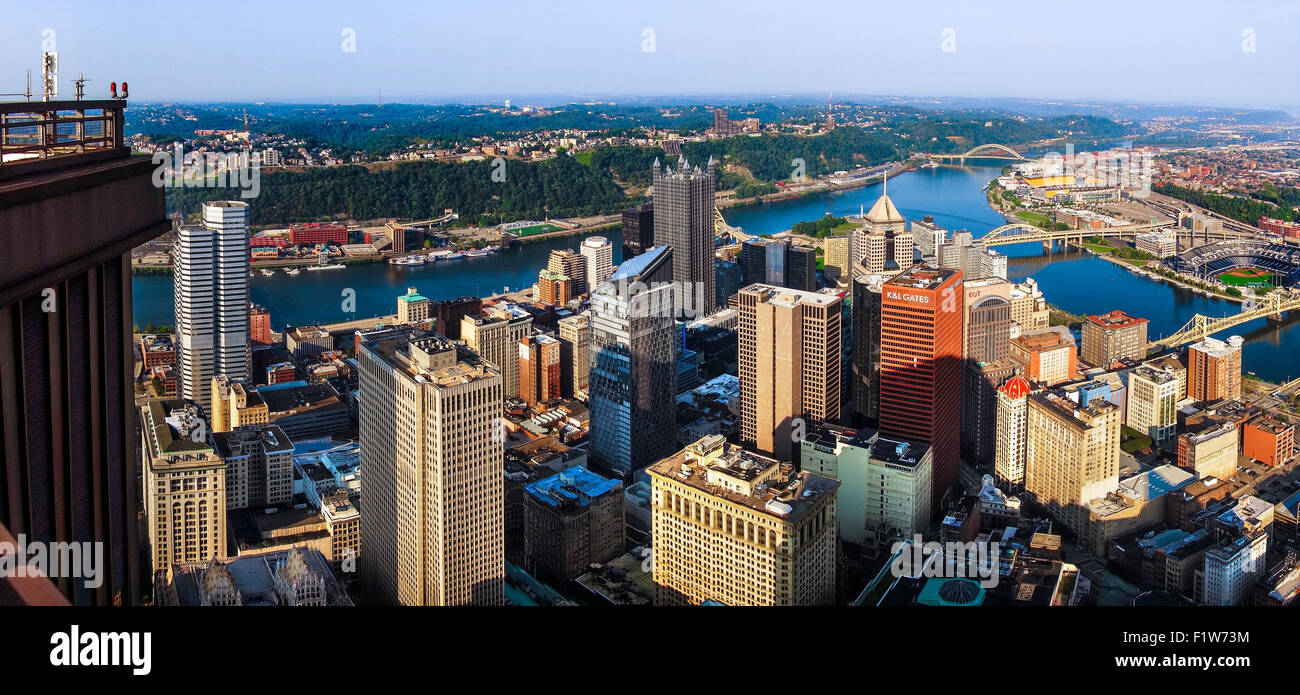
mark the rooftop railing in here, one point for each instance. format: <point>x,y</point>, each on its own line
<point>41,130</point>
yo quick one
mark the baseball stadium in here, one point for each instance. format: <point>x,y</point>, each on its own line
<point>1241,263</point>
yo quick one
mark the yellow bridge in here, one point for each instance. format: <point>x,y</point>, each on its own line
<point>1200,327</point>
<point>722,229</point>
<point>1026,232</point>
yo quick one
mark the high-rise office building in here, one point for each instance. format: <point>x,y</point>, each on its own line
<point>259,465</point>
<point>987,365</point>
<point>431,448</point>
<point>1214,369</point>
<point>634,364</point>
<point>539,369</point>
<point>1012,430</point>
<point>683,221</point>
<point>495,334</point>
<point>71,215</point>
<point>778,263</point>
<point>638,230</point>
<point>572,266</point>
<point>571,520</point>
<point>210,273</point>
<point>575,354</point>
<point>184,485</point>
<point>599,253</point>
<point>789,347</point>
<point>884,494</point>
<point>740,529</point>
<point>555,289</point>
<point>1113,336</point>
<point>1071,456</point>
<point>929,238</point>
<point>921,365</point>
<point>1152,403</point>
<point>882,246</point>
<point>866,349</point>
<point>972,258</point>
<point>837,250</point>
<point>728,281</point>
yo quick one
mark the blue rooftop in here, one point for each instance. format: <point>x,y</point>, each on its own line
<point>633,268</point>
<point>573,486</point>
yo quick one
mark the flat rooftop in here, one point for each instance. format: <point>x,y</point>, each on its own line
<point>1115,319</point>
<point>923,277</point>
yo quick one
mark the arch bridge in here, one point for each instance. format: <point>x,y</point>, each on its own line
<point>1200,327</point>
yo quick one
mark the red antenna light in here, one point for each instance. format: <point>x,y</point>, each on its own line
<point>123,90</point>
<point>112,89</point>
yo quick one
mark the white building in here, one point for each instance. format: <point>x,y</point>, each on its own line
<point>599,253</point>
<point>1229,571</point>
<point>1152,403</point>
<point>210,266</point>
<point>1012,418</point>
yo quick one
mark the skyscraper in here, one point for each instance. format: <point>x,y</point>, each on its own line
<point>571,265</point>
<point>778,263</point>
<point>1214,369</point>
<point>882,246</point>
<point>210,273</point>
<point>432,451</point>
<point>495,334</point>
<point>866,349</point>
<point>921,365</point>
<point>683,221</point>
<point>987,364</point>
<point>600,260</point>
<point>575,353</point>
<point>741,529</point>
<point>638,230</point>
<point>71,215</point>
<point>789,347</point>
<point>184,485</point>
<point>634,364</point>
<point>539,369</point>
<point>1071,456</point>
<point>1012,421</point>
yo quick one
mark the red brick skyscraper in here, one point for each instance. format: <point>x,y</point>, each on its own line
<point>921,365</point>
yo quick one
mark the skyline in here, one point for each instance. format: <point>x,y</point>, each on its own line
<point>1201,55</point>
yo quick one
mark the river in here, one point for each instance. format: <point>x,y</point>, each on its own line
<point>1075,282</point>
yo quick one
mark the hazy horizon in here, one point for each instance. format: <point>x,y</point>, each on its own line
<point>1242,55</point>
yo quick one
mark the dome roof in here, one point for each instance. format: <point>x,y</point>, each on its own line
<point>959,591</point>
<point>1016,387</point>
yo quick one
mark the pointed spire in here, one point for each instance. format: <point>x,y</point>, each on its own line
<point>885,192</point>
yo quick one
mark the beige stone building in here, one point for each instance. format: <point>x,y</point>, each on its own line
<point>741,529</point>
<point>575,353</point>
<point>1071,456</point>
<point>432,452</point>
<point>1112,336</point>
<point>184,485</point>
<point>412,307</point>
<point>495,334</point>
<point>836,253</point>
<point>790,346</point>
<point>233,405</point>
<point>1029,309</point>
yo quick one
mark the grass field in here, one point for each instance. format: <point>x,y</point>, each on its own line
<point>1033,218</point>
<point>1247,277</point>
<point>535,229</point>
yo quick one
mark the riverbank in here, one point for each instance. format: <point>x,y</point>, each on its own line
<point>814,188</point>
<point>1136,267</point>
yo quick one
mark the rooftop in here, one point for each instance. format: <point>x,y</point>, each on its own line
<point>574,487</point>
<point>923,277</point>
<point>1115,319</point>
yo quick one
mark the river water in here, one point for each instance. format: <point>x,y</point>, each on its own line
<point>1075,282</point>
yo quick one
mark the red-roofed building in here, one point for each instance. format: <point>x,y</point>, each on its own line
<point>318,233</point>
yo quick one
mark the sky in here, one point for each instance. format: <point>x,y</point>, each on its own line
<point>1225,53</point>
